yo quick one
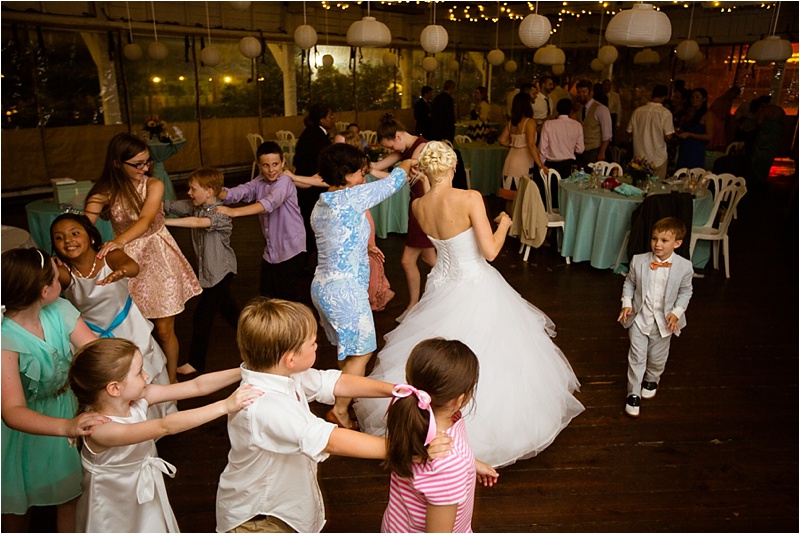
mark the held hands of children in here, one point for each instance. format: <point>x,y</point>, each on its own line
<point>244,396</point>
<point>486,474</point>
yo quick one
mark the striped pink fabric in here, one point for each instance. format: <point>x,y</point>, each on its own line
<point>443,481</point>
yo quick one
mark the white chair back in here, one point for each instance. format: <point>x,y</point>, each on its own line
<point>371,136</point>
<point>548,184</point>
<point>461,139</point>
<point>255,141</point>
<point>284,135</point>
<point>697,173</point>
<point>730,195</point>
<point>341,127</point>
<point>737,147</point>
<point>606,167</point>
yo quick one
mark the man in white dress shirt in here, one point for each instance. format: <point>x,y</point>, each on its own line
<point>652,127</point>
<point>542,106</point>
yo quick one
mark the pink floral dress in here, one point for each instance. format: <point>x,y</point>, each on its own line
<point>166,280</point>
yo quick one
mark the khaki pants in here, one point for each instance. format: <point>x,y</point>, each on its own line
<point>263,524</point>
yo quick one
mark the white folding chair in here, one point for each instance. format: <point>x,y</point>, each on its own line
<point>696,172</point>
<point>255,141</point>
<point>731,194</point>
<point>284,135</point>
<point>606,167</point>
<point>371,136</point>
<point>341,127</point>
<point>721,181</point>
<point>554,219</point>
<point>737,147</point>
<point>461,139</point>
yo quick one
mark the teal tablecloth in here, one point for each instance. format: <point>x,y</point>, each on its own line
<point>596,222</point>
<point>486,165</point>
<point>391,215</point>
<point>161,152</point>
<point>42,213</point>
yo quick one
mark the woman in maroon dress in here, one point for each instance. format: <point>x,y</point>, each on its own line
<point>395,137</point>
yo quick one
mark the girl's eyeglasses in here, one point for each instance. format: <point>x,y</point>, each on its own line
<point>140,165</point>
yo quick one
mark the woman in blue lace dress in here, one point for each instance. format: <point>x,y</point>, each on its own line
<point>339,288</point>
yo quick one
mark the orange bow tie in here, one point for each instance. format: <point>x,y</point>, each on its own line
<point>655,264</point>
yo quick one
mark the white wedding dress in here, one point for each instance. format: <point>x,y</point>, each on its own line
<point>524,395</point>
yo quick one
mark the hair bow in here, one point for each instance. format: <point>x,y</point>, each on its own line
<point>400,391</point>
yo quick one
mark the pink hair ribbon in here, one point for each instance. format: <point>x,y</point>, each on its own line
<point>400,391</point>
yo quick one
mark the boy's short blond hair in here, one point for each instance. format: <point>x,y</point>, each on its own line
<point>209,178</point>
<point>671,224</point>
<point>270,328</point>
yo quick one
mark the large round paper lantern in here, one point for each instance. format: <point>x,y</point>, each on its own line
<point>368,33</point>
<point>697,59</point>
<point>157,50</point>
<point>305,36</point>
<point>639,26</point>
<point>389,59</point>
<point>495,57</point>
<point>597,65</point>
<point>549,55</point>
<point>211,56</point>
<point>133,51</point>
<point>647,56</point>
<point>433,38</point>
<point>239,6</point>
<point>558,70</point>
<point>327,60</point>
<point>686,50</point>
<point>510,66</point>
<point>454,64</point>
<point>607,54</point>
<point>773,48</point>
<point>534,30</point>
<point>430,63</point>
<point>250,47</point>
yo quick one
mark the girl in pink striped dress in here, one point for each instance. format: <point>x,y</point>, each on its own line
<point>433,495</point>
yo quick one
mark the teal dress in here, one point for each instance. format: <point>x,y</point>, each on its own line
<point>41,470</point>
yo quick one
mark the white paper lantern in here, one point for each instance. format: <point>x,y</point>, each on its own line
<point>607,54</point>
<point>534,30</point>
<point>305,36</point>
<point>433,38</point>
<point>211,56</point>
<point>389,59</point>
<point>763,63</point>
<point>773,48</point>
<point>686,50</point>
<point>430,63</point>
<point>250,47</point>
<point>597,65</point>
<point>639,26</point>
<point>495,57</point>
<point>327,60</point>
<point>239,6</point>
<point>558,70</point>
<point>510,66</point>
<point>697,59</point>
<point>549,55</point>
<point>368,33</point>
<point>647,56</point>
<point>133,51</point>
<point>157,50</point>
<point>454,64</point>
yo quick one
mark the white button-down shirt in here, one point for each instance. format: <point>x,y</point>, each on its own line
<point>276,443</point>
<point>650,125</point>
<point>561,139</point>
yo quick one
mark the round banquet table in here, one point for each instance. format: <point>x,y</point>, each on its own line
<point>161,152</point>
<point>596,222</point>
<point>42,213</point>
<point>13,237</point>
<point>486,165</point>
<point>391,215</point>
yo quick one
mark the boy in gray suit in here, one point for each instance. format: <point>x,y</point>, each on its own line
<point>655,296</point>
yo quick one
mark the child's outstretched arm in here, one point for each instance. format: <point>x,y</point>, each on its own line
<point>204,384</point>
<point>251,209</point>
<point>304,182</point>
<point>189,222</point>
<point>152,204</point>
<point>360,386</point>
<point>119,434</point>
<point>344,442</point>
<point>486,473</point>
<point>122,266</point>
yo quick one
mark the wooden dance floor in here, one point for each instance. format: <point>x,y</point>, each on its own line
<point>716,449</point>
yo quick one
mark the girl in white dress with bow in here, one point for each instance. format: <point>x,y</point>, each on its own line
<point>524,394</point>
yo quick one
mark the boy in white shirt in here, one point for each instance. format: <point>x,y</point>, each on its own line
<point>655,296</point>
<point>270,482</point>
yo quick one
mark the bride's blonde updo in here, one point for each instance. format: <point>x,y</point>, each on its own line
<point>437,158</point>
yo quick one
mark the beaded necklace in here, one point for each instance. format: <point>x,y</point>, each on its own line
<point>77,272</point>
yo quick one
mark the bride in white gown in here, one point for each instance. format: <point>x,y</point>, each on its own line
<point>524,395</point>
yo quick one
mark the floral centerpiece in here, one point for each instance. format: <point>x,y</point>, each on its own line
<point>640,170</point>
<point>156,130</point>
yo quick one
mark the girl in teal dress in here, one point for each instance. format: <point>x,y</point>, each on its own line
<point>39,468</point>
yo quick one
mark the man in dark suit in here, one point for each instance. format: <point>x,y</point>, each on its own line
<point>422,112</point>
<point>443,114</point>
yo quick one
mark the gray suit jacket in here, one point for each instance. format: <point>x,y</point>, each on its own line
<point>679,285</point>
